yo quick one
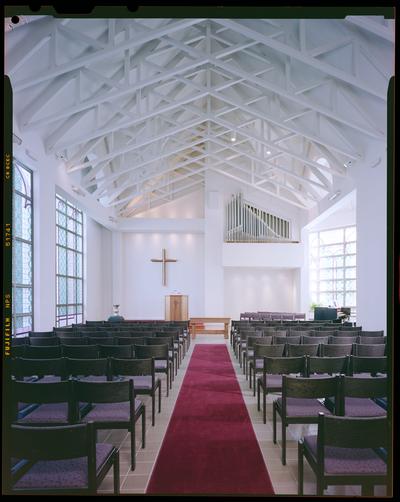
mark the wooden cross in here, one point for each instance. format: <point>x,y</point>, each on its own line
<point>164,261</point>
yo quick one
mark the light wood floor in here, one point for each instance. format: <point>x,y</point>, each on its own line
<point>284,478</point>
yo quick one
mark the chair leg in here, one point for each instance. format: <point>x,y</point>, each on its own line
<point>258,396</point>
<point>283,442</point>
<point>153,406</point>
<point>133,447</point>
<point>250,376</point>
<point>320,485</point>
<point>244,364</point>
<point>367,490</point>
<point>264,406</point>
<point>143,426</point>
<point>300,468</point>
<point>274,422</point>
<point>116,473</point>
<point>159,397</point>
<point>254,381</point>
<point>167,382</point>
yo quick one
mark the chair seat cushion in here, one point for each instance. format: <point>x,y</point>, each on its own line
<point>249,352</point>
<point>273,381</point>
<point>160,364</point>
<point>362,407</point>
<point>141,382</point>
<point>303,407</point>
<point>348,460</point>
<point>56,413</point>
<point>111,412</point>
<point>69,473</point>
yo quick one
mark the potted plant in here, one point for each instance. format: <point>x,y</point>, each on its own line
<point>312,307</point>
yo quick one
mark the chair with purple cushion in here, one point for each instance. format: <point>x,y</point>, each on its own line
<point>59,460</point>
<point>162,360</point>
<point>143,374</point>
<point>89,370</point>
<point>172,339</point>
<point>301,402</point>
<point>327,366</point>
<point>271,379</point>
<point>55,402</point>
<point>357,396</point>
<point>249,350</point>
<point>346,451</point>
<point>41,370</point>
<point>115,407</point>
<point>256,363</point>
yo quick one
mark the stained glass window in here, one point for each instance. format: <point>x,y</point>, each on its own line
<point>22,256</point>
<point>69,285</point>
<point>333,268</point>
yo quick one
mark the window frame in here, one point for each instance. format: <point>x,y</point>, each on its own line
<point>14,284</point>
<point>67,319</point>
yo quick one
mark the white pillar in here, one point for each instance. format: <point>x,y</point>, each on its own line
<point>117,270</point>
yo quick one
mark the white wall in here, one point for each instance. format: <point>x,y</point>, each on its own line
<point>188,206</point>
<point>98,271</point>
<point>280,255</point>
<point>143,294</point>
<point>252,289</point>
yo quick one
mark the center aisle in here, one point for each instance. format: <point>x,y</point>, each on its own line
<point>210,446</point>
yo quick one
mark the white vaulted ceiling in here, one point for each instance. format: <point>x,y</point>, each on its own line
<point>142,108</point>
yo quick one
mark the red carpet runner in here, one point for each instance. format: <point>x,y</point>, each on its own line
<point>210,446</point>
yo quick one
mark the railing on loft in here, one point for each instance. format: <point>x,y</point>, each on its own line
<point>246,223</point>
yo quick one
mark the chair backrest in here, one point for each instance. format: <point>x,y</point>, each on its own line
<point>168,341</point>
<point>128,340</point>
<point>268,351</point>
<point>87,367</point>
<point>262,340</point>
<point>73,340</point>
<point>120,351</point>
<point>348,332</point>
<point>293,350</point>
<point>350,432</point>
<point>372,365</point>
<point>280,332</point>
<point>285,365</point>
<point>251,340</point>
<point>104,340</point>
<point>368,340</point>
<point>41,334</point>
<point>80,352</point>
<point>310,340</point>
<point>21,340</point>
<point>309,388</point>
<point>333,350</point>
<point>327,331</point>
<point>370,350</point>
<point>132,367</point>
<point>39,367</point>
<point>117,391</point>
<point>45,341</point>
<point>330,365</point>
<point>149,351</point>
<point>342,340</point>
<point>47,352</point>
<point>18,350</point>
<point>281,340</point>
<point>371,333</point>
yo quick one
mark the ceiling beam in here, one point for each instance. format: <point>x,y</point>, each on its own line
<point>372,27</point>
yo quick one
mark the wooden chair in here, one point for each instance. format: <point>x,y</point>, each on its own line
<point>378,333</point>
<point>173,355</point>
<point>368,366</point>
<point>45,341</point>
<point>143,374</point>
<point>271,379</point>
<point>102,340</point>
<point>342,340</point>
<point>72,340</point>
<point>357,396</point>
<point>43,370</point>
<point>300,402</point>
<point>345,452</point>
<point>48,450</point>
<point>327,366</point>
<point>41,334</point>
<point>310,340</point>
<point>162,360</point>
<point>119,351</point>
<point>54,400</point>
<point>293,350</point>
<point>248,352</point>
<point>372,340</point>
<point>256,364</point>
<point>115,407</point>
<point>89,370</point>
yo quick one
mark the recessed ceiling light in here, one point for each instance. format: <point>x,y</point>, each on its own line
<point>268,152</point>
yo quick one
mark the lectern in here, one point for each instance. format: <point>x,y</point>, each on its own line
<point>176,308</point>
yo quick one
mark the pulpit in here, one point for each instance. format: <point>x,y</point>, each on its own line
<point>176,308</point>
